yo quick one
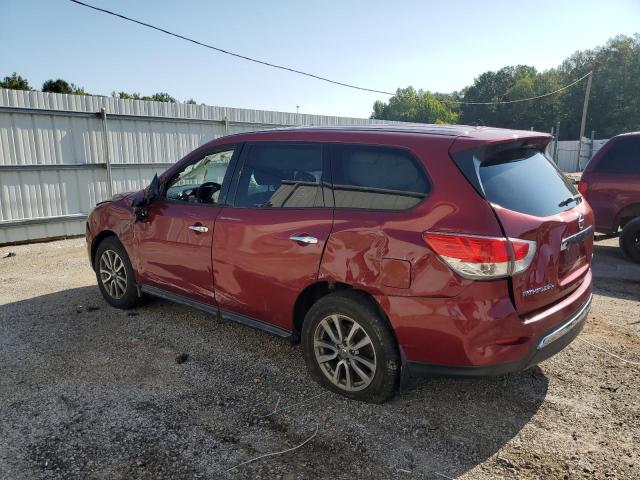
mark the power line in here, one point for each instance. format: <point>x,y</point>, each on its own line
<point>227,52</point>
<point>307,74</point>
<point>521,99</point>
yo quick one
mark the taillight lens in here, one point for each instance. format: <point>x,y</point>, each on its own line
<point>583,188</point>
<point>481,258</point>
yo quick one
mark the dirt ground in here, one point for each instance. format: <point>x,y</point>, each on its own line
<point>88,391</point>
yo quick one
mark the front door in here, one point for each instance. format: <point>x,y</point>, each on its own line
<point>268,243</point>
<point>174,242</point>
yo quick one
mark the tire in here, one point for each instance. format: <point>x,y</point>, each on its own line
<point>323,355</point>
<point>630,240</point>
<point>118,290</point>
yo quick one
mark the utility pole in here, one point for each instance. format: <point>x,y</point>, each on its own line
<point>583,124</point>
<point>555,146</point>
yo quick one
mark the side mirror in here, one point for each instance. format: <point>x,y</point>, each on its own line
<point>153,190</point>
<point>141,204</point>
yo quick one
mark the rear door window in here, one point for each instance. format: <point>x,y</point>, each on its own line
<point>280,175</point>
<point>528,182</point>
<point>623,157</point>
<point>378,178</point>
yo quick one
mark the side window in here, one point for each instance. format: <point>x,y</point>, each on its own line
<point>376,178</point>
<point>622,157</point>
<point>280,176</point>
<point>201,181</point>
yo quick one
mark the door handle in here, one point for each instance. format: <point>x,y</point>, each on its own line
<point>198,228</point>
<point>304,239</point>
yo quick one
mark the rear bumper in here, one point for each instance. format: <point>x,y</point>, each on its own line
<point>479,331</point>
<point>549,343</point>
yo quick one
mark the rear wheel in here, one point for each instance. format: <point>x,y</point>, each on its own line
<point>115,274</point>
<point>630,240</point>
<point>349,348</point>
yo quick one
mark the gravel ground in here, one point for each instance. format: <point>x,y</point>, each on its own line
<point>88,391</point>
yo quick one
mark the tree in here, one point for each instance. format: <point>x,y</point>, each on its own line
<point>160,97</point>
<point>15,82</point>
<point>156,97</point>
<point>126,96</point>
<point>62,86</point>
<point>507,84</point>
<point>614,104</point>
<point>409,105</point>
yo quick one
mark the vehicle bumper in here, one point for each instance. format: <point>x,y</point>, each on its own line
<point>465,335</point>
<point>550,343</point>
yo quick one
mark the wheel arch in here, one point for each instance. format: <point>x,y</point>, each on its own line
<point>314,292</point>
<point>97,240</point>
<point>625,215</point>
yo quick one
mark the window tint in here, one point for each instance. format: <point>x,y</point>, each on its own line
<point>622,157</point>
<point>527,182</point>
<point>281,176</point>
<point>201,181</point>
<point>376,178</point>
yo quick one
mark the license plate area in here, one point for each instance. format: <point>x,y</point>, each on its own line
<point>573,251</point>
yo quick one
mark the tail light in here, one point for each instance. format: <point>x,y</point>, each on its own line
<point>481,258</point>
<point>583,188</point>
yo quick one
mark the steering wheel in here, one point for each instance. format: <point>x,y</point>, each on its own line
<point>186,194</point>
<point>204,193</point>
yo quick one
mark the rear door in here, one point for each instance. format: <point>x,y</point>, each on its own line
<point>268,243</point>
<point>533,200</point>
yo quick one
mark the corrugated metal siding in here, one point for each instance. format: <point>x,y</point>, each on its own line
<point>52,164</point>
<point>568,153</point>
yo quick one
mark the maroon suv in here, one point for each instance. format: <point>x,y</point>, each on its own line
<point>386,250</point>
<point>611,184</point>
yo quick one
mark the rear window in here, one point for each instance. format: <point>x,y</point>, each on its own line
<point>379,178</point>
<point>528,182</point>
<point>622,157</point>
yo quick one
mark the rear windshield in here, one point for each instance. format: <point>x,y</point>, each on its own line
<point>528,182</point>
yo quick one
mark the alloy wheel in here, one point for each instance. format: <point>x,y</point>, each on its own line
<point>113,275</point>
<point>344,352</point>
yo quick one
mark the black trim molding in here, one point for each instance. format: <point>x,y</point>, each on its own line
<point>225,315</point>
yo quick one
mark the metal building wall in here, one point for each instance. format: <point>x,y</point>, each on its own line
<point>568,153</point>
<point>54,151</point>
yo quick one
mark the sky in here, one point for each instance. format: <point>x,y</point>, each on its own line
<point>434,45</point>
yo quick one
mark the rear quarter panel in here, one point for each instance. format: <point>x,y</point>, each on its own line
<point>376,250</point>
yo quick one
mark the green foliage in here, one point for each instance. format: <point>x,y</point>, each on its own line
<point>513,83</point>
<point>614,105</point>
<point>156,97</point>
<point>62,86</point>
<point>160,97</point>
<point>409,105</point>
<point>15,82</point>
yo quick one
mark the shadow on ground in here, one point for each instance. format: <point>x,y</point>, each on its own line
<point>614,275</point>
<point>90,391</point>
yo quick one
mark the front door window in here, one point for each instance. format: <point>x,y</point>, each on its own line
<point>201,181</point>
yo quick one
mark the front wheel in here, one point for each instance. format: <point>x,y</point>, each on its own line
<point>115,275</point>
<point>630,240</point>
<point>350,349</point>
